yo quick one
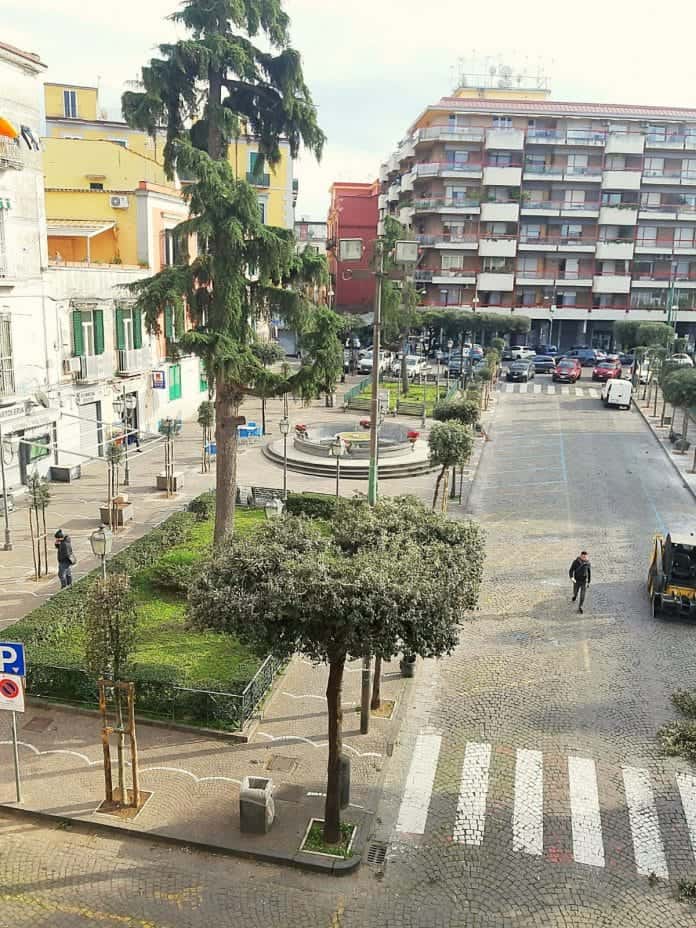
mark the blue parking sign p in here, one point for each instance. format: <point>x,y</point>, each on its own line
<point>12,658</point>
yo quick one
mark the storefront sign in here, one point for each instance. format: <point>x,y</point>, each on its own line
<point>89,396</point>
<point>159,380</point>
<point>9,412</point>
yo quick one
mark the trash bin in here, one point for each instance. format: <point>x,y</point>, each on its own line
<point>408,665</point>
<point>256,806</point>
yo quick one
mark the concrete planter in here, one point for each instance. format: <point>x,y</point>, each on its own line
<point>122,513</point>
<point>320,821</point>
<point>65,474</point>
<point>177,481</point>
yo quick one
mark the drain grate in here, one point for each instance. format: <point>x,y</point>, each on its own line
<point>376,853</point>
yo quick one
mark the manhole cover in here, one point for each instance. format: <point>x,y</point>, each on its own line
<point>376,853</point>
<point>282,764</point>
<point>37,724</point>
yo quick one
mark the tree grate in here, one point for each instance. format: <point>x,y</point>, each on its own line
<point>376,853</point>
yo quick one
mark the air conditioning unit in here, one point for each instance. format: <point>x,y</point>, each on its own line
<point>71,365</point>
<point>119,202</point>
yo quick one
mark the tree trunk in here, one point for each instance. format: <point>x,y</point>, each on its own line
<point>332,807</point>
<point>226,436</point>
<point>437,485</point>
<point>404,368</point>
<point>453,488</point>
<point>444,491</point>
<point>376,700</point>
<point>263,415</point>
<point>121,747</point>
<point>215,141</point>
<point>664,410</point>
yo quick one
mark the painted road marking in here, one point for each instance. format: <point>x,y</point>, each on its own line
<point>527,816</point>
<point>413,812</point>
<point>470,821</point>
<point>565,391</point>
<point>586,821</point>
<point>687,791</point>
<point>524,387</point>
<point>509,387</point>
<point>645,826</point>
<point>537,388</point>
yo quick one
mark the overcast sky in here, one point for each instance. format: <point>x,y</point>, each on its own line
<point>373,65</point>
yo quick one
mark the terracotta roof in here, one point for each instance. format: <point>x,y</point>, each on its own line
<point>563,108</point>
<point>29,56</point>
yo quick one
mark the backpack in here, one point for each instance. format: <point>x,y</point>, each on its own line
<point>580,572</point>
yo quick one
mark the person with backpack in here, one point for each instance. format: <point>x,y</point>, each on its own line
<point>581,574</point>
<point>66,558</point>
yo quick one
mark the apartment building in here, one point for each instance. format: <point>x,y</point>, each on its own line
<point>353,213</point>
<point>574,214</point>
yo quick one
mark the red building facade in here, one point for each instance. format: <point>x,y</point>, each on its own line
<point>353,214</point>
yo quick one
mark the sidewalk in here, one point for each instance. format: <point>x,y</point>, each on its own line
<point>194,779</point>
<point>681,462</point>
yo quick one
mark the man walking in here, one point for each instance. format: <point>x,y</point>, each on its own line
<point>580,573</point>
<point>66,558</point>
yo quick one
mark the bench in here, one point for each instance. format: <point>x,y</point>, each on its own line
<point>409,409</point>
<point>359,402</point>
<point>259,496</point>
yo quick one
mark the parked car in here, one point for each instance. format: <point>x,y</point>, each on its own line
<point>517,352</point>
<point>415,365</point>
<point>683,360</point>
<point>606,370</point>
<point>455,362</point>
<point>544,363</point>
<point>627,358</point>
<point>365,364</point>
<point>476,354</point>
<point>587,357</point>
<point>568,370</point>
<point>522,370</point>
<point>617,393</point>
<point>546,349</point>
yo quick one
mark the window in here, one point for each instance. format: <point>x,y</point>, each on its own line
<point>500,159</point>
<point>646,234</point>
<point>452,262</point>
<point>96,185</point>
<point>39,448</point>
<point>494,298</point>
<point>171,248</point>
<point>527,265</point>
<point>88,332</point>
<point>495,264</point>
<point>70,104</point>
<point>571,231</point>
<point>577,163</point>
<point>611,199</point>
<point>202,377</point>
<point>4,265</point>
<point>171,323</point>
<point>255,173</point>
<point>567,298</point>
<point>648,200</point>
<point>457,157</point>
<point>656,133</point>
<point>654,166</point>
<point>530,231</point>
<point>527,297</point>
<point>615,163</point>
<point>502,122</point>
<point>569,268</point>
<point>262,210</point>
<point>575,196</point>
<point>684,238</point>
<point>175,382</point>
<point>129,329</point>
<point>7,382</point>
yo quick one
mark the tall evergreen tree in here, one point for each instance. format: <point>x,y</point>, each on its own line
<point>204,91</point>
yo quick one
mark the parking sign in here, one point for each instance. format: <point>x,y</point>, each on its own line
<point>12,658</point>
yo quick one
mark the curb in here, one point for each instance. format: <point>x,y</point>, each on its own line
<point>298,860</point>
<point>685,483</point>
<point>477,464</point>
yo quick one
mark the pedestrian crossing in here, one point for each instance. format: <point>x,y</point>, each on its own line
<point>590,390</point>
<point>582,804</point>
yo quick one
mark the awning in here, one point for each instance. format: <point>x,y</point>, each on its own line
<point>76,228</point>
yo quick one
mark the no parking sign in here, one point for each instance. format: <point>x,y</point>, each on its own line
<point>11,693</point>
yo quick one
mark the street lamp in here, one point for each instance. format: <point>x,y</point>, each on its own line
<point>337,450</point>
<point>7,546</point>
<point>284,426</point>
<point>101,541</point>
<point>274,508</point>
<point>124,405</point>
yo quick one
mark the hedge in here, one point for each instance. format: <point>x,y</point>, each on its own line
<point>312,505</point>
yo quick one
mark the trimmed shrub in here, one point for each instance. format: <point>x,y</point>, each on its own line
<point>466,411</point>
<point>203,506</point>
<point>312,505</point>
<point>174,572</point>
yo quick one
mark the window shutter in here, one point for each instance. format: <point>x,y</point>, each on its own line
<point>120,332</point>
<point>169,322</point>
<point>78,346</point>
<point>98,331</point>
<point>137,329</point>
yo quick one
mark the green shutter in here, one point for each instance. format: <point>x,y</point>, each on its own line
<point>137,329</point>
<point>98,316</point>
<point>175,382</point>
<point>169,322</point>
<point>78,345</point>
<point>120,333</point>
<point>202,378</point>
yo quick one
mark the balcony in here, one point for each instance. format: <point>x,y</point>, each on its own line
<point>447,133</point>
<point>577,278</point>
<point>505,139</point>
<point>382,201</point>
<point>407,150</point>
<point>95,367</point>
<point>454,276</point>
<point>446,205</point>
<point>258,180</point>
<point>614,251</point>
<point>661,176</point>
<point>11,155</point>
<point>588,209</point>
<point>688,178</point>
<point>543,172</point>
<point>496,281</point>
<point>586,175</point>
<point>540,208</point>
<point>545,136</point>
<point>621,180</point>
<point>495,176</point>
<point>650,245</point>
<point>393,193</point>
<point>406,215</point>
<point>665,140</point>
<point>684,246</point>
<point>497,246</point>
<point>133,360</point>
<point>535,278</point>
<point>538,242</point>
<point>448,169</point>
<point>650,213</point>
<point>451,242</point>
<point>611,283</point>
<point>383,173</point>
<point>500,212</point>
<point>625,143</point>
<point>407,181</point>
<point>596,138</point>
<point>618,215</point>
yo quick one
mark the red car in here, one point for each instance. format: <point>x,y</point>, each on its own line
<point>606,370</point>
<point>568,370</point>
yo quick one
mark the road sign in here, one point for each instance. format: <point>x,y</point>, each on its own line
<point>12,658</point>
<point>11,693</point>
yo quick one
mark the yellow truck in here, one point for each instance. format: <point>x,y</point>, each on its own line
<point>672,575</point>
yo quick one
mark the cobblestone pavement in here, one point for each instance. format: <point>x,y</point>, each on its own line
<point>526,788</point>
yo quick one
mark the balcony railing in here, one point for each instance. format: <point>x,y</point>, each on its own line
<point>132,360</point>
<point>95,367</point>
<point>446,237</point>
<point>258,180</point>
<point>464,134</point>
<point>542,169</point>
<point>11,155</point>
<point>433,168</point>
<point>445,202</point>
<point>543,135</point>
<point>665,275</point>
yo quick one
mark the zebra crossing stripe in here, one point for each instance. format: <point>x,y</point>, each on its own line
<point>537,388</point>
<point>527,816</point>
<point>687,791</point>
<point>586,822</point>
<point>470,820</point>
<point>645,826</point>
<point>565,391</point>
<point>509,387</point>
<point>524,387</point>
<point>413,812</point>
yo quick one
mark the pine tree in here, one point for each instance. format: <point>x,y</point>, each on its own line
<point>204,91</point>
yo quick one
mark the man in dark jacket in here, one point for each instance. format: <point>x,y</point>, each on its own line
<point>580,573</point>
<point>66,558</point>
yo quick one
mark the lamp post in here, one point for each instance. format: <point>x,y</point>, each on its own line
<point>7,546</point>
<point>337,451</point>
<point>101,541</point>
<point>284,426</point>
<point>450,343</point>
<point>123,405</point>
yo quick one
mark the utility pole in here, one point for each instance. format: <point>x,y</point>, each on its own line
<point>7,546</point>
<point>372,486</point>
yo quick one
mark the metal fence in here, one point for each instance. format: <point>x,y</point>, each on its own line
<point>159,699</point>
<point>356,390</point>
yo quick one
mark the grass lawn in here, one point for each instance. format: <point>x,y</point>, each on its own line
<point>416,393</point>
<point>166,648</point>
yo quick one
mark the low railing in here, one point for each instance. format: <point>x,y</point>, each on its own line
<point>443,237</point>
<point>356,390</point>
<point>448,202</point>
<point>95,367</point>
<point>448,131</point>
<point>437,167</point>
<point>131,360</point>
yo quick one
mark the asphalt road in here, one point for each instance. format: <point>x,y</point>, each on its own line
<point>527,788</point>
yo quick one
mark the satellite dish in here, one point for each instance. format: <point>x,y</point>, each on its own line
<point>42,399</point>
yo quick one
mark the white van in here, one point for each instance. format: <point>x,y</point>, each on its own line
<point>617,393</point>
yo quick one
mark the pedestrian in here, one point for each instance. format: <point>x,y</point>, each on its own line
<point>581,574</point>
<point>66,558</point>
